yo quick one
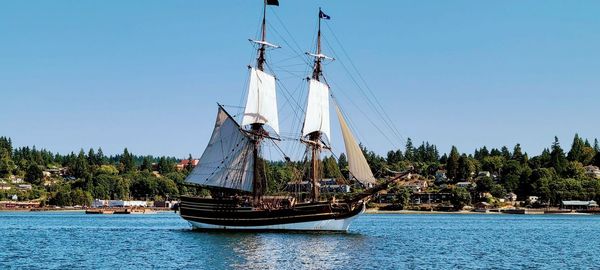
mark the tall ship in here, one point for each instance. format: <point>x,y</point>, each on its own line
<point>233,169</point>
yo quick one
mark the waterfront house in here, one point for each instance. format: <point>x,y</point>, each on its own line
<point>416,185</point>
<point>302,186</point>
<point>578,205</point>
<point>430,197</point>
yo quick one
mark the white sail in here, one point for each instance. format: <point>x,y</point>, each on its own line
<point>317,109</point>
<point>357,163</point>
<point>261,106</point>
<point>227,160</point>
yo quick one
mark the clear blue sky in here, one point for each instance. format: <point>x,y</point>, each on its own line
<point>147,74</point>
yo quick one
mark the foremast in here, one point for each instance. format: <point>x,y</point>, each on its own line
<point>256,113</point>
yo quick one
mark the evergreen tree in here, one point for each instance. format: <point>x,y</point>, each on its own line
<point>330,168</point>
<point>343,165</point>
<point>342,161</point>
<point>91,157</point>
<point>80,167</point>
<point>394,157</point>
<point>146,164</point>
<point>34,174</point>
<point>465,167</point>
<point>596,146</point>
<point>409,151</point>
<point>557,157</point>
<point>100,158</point>
<point>482,153</point>
<point>576,152</point>
<point>495,152</point>
<point>127,164</point>
<point>545,158</point>
<point>505,153</point>
<point>452,163</point>
<point>165,166</point>
<point>444,158</point>
<point>518,154</point>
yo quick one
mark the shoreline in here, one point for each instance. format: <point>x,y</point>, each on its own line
<point>416,212</point>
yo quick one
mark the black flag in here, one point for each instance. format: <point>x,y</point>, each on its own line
<point>322,15</point>
<point>273,2</point>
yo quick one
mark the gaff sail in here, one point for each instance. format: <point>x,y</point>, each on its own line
<point>227,160</point>
<point>357,163</point>
<point>261,106</point>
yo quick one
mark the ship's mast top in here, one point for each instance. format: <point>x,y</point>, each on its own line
<point>317,69</point>
<point>262,43</point>
<point>260,62</point>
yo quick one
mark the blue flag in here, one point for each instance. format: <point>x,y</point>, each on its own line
<point>322,15</point>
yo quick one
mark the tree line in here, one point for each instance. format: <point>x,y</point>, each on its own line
<point>553,175</point>
<point>89,175</point>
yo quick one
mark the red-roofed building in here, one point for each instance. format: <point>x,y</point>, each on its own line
<point>184,163</point>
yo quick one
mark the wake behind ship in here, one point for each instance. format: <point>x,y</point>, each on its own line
<point>232,167</point>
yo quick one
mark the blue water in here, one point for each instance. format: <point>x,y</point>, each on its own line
<point>71,240</point>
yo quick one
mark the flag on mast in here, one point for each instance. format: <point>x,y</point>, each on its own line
<point>273,2</point>
<point>322,15</point>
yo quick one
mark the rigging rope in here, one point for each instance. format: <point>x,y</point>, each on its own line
<point>372,99</point>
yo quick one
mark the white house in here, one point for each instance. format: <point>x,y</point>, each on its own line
<point>416,185</point>
<point>118,203</point>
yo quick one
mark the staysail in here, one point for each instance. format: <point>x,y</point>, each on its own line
<point>357,163</point>
<point>317,110</point>
<point>227,160</point>
<point>261,106</point>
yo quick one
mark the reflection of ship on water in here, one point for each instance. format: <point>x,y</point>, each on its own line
<point>232,163</point>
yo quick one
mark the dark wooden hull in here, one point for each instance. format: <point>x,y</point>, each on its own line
<point>229,214</point>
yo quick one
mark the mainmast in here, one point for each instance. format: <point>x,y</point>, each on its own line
<point>318,103</point>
